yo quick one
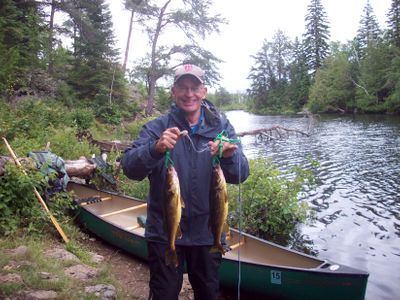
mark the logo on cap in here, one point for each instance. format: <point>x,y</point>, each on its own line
<point>188,68</point>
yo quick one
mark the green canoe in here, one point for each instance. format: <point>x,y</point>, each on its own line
<point>267,269</point>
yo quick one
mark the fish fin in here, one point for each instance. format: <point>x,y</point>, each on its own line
<point>179,233</point>
<point>171,258</point>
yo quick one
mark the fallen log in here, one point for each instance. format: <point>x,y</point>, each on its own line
<point>272,132</point>
<point>109,146</point>
<point>81,168</point>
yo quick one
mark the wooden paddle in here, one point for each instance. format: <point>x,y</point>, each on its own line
<point>58,227</point>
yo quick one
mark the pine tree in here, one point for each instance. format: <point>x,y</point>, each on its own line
<point>21,43</point>
<point>368,30</point>
<point>280,54</point>
<point>96,75</point>
<point>394,22</point>
<point>262,77</point>
<point>299,79</point>
<point>317,35</point>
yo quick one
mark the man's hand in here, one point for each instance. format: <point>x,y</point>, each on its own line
<point>228,149</point>
<point>168,139</point>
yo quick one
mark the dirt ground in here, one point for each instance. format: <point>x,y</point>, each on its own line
<point>133,273</point>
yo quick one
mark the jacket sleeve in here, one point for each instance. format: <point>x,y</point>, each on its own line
<point>236,168</point>
<point>141,158</point>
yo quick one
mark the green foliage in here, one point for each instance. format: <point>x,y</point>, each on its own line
<point>332,90</point>
<point>36,261</point>
<point>374,68</point>
<point>18,206</point>
<point>269,197</point>
<point>163,99</point>
<point>110,114</point>
<point>138,189</point>
<point>83,118</point>
<point>317,35</point>
<point>134,128</point>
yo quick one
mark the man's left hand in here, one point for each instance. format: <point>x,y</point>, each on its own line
<point>228,149</point>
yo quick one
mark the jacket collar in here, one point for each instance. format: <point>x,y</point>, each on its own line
<point>211,123</point>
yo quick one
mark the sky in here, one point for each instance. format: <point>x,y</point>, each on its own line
<point>250,23</point>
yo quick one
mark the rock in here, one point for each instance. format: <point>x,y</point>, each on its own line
<point>48,276</point>
<point>15,265</point>
<point>61,254</point>
<point>10,278</point>
<point>40,295</point>
<point>20,251</point>
<point>81,272</point>
<point>105,291</point>
<point>96,258</point>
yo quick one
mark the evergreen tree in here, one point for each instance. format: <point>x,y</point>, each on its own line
<point>262,77</point>
<point>270,74</point>
<point>281,54</point>
<point>317,35</point>
<point>299,79</point>
<point>21,44</point>
<point>96,76</point>
<point>394,22</point>
<point>368,30</point>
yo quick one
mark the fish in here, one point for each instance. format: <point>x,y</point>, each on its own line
<point>218,208</point>
<point>173,211</point>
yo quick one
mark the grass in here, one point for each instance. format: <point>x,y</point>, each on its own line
<point>35,261</point>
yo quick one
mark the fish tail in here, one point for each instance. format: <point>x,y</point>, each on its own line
<point>171,257</point>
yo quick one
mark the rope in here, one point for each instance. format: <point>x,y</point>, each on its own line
<point>239,227</point>
<point>205,146</point>
<point>168,160</point>
<point>222,138</point>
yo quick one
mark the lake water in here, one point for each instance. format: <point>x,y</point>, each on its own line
<point>357,197</point>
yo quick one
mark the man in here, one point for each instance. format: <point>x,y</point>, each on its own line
<point>194,114</point>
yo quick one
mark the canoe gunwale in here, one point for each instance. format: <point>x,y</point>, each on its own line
<point>336,280</point>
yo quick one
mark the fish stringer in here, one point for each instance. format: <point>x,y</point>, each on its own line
<point>222,137</point>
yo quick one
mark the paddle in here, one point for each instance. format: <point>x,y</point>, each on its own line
<point>58,227</point>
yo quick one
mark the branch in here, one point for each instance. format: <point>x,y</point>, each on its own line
<point>273,132</point>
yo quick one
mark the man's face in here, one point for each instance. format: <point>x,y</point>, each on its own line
<point>188,93</point>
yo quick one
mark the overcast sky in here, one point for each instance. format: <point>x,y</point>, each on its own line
<point>250,22</point>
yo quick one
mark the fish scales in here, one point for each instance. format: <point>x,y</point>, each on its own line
<point>173,213</point>
<point>218,208</point>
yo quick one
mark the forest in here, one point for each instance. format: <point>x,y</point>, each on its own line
<point>75,62</point>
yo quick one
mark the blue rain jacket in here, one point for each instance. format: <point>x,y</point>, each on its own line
<point>194,170</point>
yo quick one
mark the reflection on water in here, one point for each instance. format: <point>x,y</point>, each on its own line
<point>357,198</point>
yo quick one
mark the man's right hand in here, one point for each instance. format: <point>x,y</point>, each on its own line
<point>168,139</point>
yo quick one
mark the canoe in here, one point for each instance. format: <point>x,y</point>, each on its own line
<point>267,270</point>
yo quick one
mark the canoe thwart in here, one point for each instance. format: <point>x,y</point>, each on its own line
<point>237,245</point>
<point>123,210</point>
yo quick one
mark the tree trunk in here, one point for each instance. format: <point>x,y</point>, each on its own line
<point>128,42</point>
<point>150,98</point>
<point>51,29</point>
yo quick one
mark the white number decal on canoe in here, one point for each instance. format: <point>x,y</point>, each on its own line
<point>276,277</point>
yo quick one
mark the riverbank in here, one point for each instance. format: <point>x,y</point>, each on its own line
<point>37,268</point>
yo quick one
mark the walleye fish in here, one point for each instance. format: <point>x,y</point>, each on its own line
<point>218,208</point>
<point>173,211</point>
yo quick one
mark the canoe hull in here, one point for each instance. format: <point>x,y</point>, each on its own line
<point>326,280</point>
<point>276,282</point>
